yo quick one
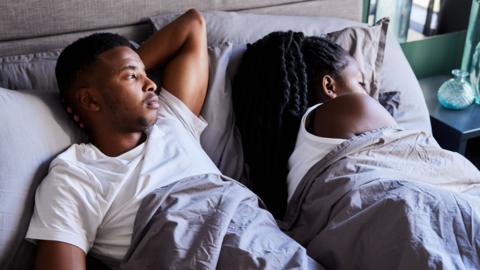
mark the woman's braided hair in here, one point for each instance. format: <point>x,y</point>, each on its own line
<point>271,91</point>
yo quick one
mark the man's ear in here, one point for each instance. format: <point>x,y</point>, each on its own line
<point>329,87</point>
<point>87,100</point>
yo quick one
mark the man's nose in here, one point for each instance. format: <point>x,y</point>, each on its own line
<point>149,86</point>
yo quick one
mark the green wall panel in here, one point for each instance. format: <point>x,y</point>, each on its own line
<point>435,55</point>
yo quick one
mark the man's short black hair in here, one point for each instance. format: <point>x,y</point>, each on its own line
<point>81,55</point>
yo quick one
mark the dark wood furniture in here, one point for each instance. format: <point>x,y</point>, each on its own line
<point>457,131</point>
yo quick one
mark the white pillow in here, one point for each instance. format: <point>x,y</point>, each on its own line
<point>34,129</point>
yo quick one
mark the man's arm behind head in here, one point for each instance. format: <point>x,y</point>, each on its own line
<point>181,49</point>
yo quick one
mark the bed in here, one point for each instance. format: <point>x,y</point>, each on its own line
<point>35,128</point>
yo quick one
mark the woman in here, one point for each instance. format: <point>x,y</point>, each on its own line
<point>361,195</point>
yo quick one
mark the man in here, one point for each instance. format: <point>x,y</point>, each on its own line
<point>117,103</point>
<point>103,81</point>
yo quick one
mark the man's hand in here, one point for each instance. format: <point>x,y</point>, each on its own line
<point>53,255</point>
<point>181,48</point>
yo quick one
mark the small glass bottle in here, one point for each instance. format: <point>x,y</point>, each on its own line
<point>456,93</point>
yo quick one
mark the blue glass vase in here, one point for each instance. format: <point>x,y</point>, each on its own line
<point>456,93</point>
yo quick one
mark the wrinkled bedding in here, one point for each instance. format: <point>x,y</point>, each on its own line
<point>389,199</point>
<point>210,222</point>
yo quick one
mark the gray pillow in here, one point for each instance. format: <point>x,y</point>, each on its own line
<point>29,71</point>
<point>220,139</point>
<point>242,28</point>
<point>32,71</point>
<point>34,129</point>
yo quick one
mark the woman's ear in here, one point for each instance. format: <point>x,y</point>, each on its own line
<point>87,100</point>
<point>329,87</point>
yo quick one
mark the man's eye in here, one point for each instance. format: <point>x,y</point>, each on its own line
<point>132,76</point>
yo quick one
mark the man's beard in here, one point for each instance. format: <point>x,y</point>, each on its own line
<point>143,122</point>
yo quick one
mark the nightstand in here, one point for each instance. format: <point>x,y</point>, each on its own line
<point>454,130</point>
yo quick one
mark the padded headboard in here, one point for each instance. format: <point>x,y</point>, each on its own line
<point>33,25</point>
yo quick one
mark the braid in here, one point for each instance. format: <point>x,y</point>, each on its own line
<point>270,95</point>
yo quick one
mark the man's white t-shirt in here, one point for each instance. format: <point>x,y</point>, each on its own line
<point>309,149</point>
<point>90,200</point>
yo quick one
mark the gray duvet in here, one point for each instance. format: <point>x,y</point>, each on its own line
<point>389,199</point>
<point>210,222</point>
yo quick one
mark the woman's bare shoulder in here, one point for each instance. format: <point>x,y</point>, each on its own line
<point>351,114</point>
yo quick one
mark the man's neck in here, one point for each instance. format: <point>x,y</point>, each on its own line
<point>117,143</point>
